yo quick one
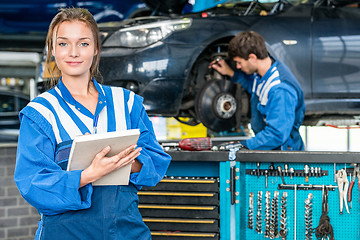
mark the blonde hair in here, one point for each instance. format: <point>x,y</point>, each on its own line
<point>71,14</point>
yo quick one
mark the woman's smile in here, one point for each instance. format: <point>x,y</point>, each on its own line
<point>73,63</point>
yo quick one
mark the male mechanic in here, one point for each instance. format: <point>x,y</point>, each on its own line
<point>277,100</point>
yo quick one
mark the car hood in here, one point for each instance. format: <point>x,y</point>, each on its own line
<point>343,2</point>
<point>114,26</point>
<point>177,6</point>
<point>166,6</point>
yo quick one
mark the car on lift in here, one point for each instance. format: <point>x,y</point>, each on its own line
<point>23,16</point>
<point>24,24</point>
<point>165,58</point>
<point>11,102</point>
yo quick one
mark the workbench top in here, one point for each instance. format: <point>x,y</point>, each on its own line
<point>268,156</point>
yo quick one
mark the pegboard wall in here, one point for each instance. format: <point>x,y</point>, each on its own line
<point>345,226</point>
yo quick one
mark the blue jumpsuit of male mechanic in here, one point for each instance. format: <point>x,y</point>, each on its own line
<point>277,108</point>
<point>48,125</point>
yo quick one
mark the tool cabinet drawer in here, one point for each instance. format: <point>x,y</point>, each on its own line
<point>182,208</point>
<point>183,184</point>
<point>177,235</point>
<point>176,224</point>
<point>191,198</point>
<point>179,211</point>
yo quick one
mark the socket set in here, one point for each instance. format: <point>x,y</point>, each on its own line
<point>297,209</point>
<point>291,172</point>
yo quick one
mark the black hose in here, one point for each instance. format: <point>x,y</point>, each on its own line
<point>324,229</point>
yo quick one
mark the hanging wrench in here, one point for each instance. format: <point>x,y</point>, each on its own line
<point>343,184</point>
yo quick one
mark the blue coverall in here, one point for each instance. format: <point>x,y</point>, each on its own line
<point>277,108</point>
<point>48,125</point>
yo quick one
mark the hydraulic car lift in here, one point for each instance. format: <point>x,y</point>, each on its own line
<point>256,195</point>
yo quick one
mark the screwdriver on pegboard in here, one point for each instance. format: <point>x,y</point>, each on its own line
<point>191,144</point>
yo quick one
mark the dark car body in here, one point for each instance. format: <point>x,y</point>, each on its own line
<point>11,102</point>
<point>24,23</point>
<point>318,40</point>
<point>23,16</point>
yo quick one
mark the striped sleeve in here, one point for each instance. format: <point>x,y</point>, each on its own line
<point>39,179</point>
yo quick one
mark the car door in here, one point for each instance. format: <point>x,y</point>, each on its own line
<point>336,52</point>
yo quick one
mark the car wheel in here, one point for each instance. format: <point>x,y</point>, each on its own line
<point>212,99</point>
<point>216,105</point>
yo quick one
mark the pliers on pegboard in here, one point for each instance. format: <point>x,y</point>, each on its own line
<point>356,174</point>
<point>343,184</point>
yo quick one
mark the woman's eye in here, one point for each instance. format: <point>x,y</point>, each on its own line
<point>62,44</point>
<point>84,44</point>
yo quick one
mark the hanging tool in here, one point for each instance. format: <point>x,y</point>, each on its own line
<point>343,184</point>
<point>251,211</point>
<point>286,169</point>
<point>191,144</point>
<point>273,231</point>
<point>258,228</point>
<point>295,209</point>
<point>306,187</point>
<point>316,172</point>
<point>266,172</point>
<point>267,214</point>
<point>324,229</point>
<point>350,192</point>
<point>292,171</point>
<point>306,172</point>
<point>283,226</point>
<point>281,174</point>
<point>272,169</point>
<point>228,146</point>
<point>356,174</point>
<point>308,217</point>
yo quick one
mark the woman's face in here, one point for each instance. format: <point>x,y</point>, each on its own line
<point>74,49</point>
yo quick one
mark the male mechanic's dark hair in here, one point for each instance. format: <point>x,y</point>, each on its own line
<point>245,43</point>
<point>71,14</point>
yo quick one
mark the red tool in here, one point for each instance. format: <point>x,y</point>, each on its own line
<point>192,144</point>
<point>356,174</point>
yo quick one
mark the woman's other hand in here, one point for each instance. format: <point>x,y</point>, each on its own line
<point>136,166</point>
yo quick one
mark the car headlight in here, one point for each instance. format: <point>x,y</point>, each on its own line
<point>146,34</point>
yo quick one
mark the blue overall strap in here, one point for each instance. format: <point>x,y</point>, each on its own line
<point>62,154</point>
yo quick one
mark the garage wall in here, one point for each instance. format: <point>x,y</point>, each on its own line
<point>18,220</point>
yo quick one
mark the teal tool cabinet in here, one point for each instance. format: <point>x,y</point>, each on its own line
<point>207,196</point>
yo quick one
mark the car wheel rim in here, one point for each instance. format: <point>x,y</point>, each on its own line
<point>216,105</point>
